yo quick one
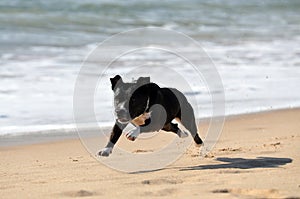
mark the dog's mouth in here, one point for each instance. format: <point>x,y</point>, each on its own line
<point>123,121</point>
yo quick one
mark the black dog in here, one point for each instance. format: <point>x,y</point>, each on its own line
<point>150,108</point>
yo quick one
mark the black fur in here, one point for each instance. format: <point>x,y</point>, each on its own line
<point>165,104</point>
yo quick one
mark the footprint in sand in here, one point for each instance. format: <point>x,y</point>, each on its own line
<point>231,149</point>
<point>256,193</point>
<point>80,193</point>
<point>142,151</point>
<point>161,181</point>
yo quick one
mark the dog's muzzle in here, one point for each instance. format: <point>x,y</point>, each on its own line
<point>123,116</point>
<point>122,121</point>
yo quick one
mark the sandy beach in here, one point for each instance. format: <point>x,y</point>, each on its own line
<point>257,156</point>
<point>234,58</point>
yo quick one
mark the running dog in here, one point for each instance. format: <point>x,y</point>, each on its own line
<point>149,108</point>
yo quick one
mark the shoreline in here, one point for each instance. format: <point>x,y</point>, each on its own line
<point>45,136</point>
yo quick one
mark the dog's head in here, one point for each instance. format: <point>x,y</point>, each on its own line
<point>126,97</point>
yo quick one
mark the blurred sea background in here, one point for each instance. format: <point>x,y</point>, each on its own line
<point>253,44</point>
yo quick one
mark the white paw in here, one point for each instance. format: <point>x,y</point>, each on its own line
<point>182,133</point>
<point>133,134</point>
<point>105,151</point>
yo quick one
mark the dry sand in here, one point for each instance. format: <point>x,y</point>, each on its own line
<point>257,156</point>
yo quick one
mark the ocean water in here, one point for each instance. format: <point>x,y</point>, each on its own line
<point>253,44</point>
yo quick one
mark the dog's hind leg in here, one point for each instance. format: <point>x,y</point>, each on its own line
<point>187,119</point>
<point>175,129</point>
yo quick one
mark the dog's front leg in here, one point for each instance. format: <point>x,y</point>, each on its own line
<point>133,134</point>
<point>114,136</point>
<point>156,121</point>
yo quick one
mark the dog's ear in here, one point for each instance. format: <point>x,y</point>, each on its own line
<point>143,80</point>
<point>115,80</point>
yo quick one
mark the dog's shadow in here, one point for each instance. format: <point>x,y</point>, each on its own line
<point>242,163</point>
<point>232,163</point>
